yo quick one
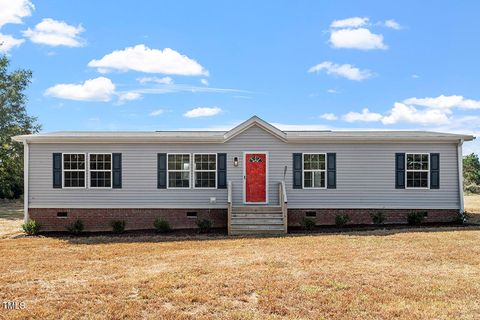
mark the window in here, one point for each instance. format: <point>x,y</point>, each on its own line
<point>314,170</point>
<point>74,170</point>
<point>205,170</point>
<point>417,169</point>
<point>178,168</point>
<point>100,166</point>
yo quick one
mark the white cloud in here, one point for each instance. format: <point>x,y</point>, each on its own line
<point>343,70</point>
<point>55,33</point>
<point>204,82</point>
<point>360,38</point>
<point>7,42</point>
<point>364,116</point>
<point>156,113</point>
<point>415,76</point>
<point>98,89</point>
<point>392,24</point>
<point>13,11</point>
<point>202,112</point>
<point>161,89</point>
<point>128,96</point>
<point>353,22</point>
<point>332,91</point>
<point>143,59</point>
<point>164,80</point>
<point>403,113</point>
<point>329,116</point>
<point>444,102</point>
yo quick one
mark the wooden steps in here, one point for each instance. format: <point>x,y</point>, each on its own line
<point>250,220</point>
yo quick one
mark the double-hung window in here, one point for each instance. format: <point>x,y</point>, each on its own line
<point>100,168</point>
<point>205,170</point>
<point>417,169</point>
<point>178,167</point>
<point>314,170</point>
<point>73,166</point>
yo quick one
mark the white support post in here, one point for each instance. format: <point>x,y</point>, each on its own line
<point>26,157</point>
<point>460,174</point>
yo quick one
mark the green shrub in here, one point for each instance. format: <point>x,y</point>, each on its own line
<point>342,219</point>
<point>462,217</point>
<point>118,226</point>
<point>204,225</point>
<point>308,223</point>
<point>31,227</point>
<point>76,227</point>
<point>472,188</point>
<point>416,217</point>
<point>162,226</point>
<point>378,217</point>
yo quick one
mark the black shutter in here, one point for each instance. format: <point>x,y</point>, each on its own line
<point>331,170</point>
<point>161,170</point>
<point>222,171</point>
<point>297,171</point>
<point>434,171</point>
<point>57,170</point>
<point>117,170</point>
<point>399,170</point>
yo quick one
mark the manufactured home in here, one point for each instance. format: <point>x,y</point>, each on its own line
<point>252,178</point>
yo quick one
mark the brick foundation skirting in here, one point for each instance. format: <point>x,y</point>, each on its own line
<point>362,216</point>
<point>142,219</point>
<point>136,219</point>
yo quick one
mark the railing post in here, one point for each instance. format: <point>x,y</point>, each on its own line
<point>282,196</point>
<point>229,207</point>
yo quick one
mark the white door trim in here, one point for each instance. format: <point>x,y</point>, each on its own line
<point>245,176</point>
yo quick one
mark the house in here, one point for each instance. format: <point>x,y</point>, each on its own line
<point>252,178</point>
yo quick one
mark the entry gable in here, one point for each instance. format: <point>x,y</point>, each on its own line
<point>255,121</point>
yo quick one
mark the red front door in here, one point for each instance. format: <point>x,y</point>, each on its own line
<point>255,177</point>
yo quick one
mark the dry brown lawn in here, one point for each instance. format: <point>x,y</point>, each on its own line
<point>11,215</point>
<point>472,206</point>
<point>428,273</point>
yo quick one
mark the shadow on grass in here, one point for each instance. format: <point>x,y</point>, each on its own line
<point>149,236</point>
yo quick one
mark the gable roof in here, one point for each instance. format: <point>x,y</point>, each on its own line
<point>255,121</point>
<point>324,136</point>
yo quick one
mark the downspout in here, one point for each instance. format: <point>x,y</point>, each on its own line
<point>26,157</point>
<point>460,174</point>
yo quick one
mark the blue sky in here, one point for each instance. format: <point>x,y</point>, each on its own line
<point>157,65</point>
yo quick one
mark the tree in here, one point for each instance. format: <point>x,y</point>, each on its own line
<point>14,120</point>
<point>471,172</point>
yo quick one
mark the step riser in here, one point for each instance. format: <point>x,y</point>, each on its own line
<point>257,209</point>
<point>257,221</point>
<point>258,216</point>
<point>257,228</point>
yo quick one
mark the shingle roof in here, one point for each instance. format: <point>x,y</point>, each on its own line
<point>223,136</point>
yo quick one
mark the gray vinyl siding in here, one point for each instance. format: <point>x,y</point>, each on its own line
<point>365,176</point>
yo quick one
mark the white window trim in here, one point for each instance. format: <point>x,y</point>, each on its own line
<point>310,170</point>
<point>413,170</point>
<point>195,170</point>
<point>70,170</point>
<point>90,171</point>
<point>189,171</point>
